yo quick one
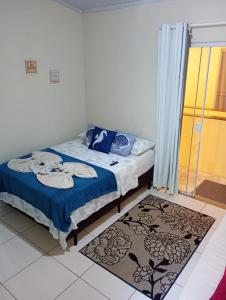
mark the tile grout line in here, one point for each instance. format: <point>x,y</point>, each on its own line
<point>55,260</point>
<point>94,288</point>
<point>11,227</point>
<point>36,224</point>
<point>203,207</point>
<point>181,286</point>
<point>78,277</point>
<point>33,263</point>
<point>66,288</point>
<point>11,209</point>
<point>20,234</point>
<point>9,240</point>
<point>36,248</point>
<point>5,214</point>
<point>130,297</point>
<point>63,265</point>
<point>1,284</point>
<point>88,269</point>
<point>43,253</point>
<point>31,243</point>
<point>47,253</point>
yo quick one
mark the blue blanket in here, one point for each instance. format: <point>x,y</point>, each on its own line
<point>57,204</point>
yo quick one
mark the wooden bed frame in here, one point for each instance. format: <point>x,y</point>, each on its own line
<point>144,179</point>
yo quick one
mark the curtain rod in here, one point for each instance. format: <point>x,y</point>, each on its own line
<point>204,25</point>
<point>216,24</point>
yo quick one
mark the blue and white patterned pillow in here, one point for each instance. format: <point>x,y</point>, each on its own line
<point>102,140</point>
<point>88,135</point>
<point>123,143</point>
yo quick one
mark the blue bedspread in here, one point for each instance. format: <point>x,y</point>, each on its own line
<point>57,204</point>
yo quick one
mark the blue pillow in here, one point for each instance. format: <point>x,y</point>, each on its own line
<point>102,140</point>
<point>88,135</point>
<point>123,143</point>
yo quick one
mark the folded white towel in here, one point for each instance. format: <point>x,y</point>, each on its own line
<point>40,161</point>
<point>58,180</point>
<point>64,180</point>
<point>79,170</point>
<point>44,156</point>
<point>46,167</point>
<point>49,170</point>
<point>20,165</point>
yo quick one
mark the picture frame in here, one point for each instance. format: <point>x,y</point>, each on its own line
<point>54,76</point>
<point>31,66</point>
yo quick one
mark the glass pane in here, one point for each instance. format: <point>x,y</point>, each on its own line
<point>203,135</point>
<point>192,118</point>
<point>212,164</point>
<point>188,121</point>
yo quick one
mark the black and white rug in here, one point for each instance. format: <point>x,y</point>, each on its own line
<point>150,245</point>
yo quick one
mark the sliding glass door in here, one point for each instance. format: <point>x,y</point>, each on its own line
<point>204,119</point>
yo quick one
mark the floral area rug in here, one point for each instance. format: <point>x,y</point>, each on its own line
<point>150,245</point>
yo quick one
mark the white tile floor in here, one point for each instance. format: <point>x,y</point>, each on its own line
<point>33,266</point>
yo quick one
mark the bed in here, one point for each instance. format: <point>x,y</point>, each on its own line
<point>130,172</point>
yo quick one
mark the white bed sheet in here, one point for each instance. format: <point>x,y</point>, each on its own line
<point>126,172</point>
<point>210,268</point>
<point>144,161</point>
<point>141,163</point>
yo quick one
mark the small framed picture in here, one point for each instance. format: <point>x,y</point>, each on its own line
<point>31,66</point>
<point>54,76</point>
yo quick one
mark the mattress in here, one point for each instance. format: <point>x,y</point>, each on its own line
<point>144,161</point>
<point>127,170</point>
<point>210,268</point>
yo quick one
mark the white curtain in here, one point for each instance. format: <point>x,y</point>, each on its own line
<point>172,62</point>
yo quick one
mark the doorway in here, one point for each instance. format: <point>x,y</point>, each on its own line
<point>202,163</point>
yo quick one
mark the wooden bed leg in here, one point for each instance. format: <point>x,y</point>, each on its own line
<point>119,208</point>
<point>75,239</point>
<point>149,185</point>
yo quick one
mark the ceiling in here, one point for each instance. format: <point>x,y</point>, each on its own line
<point>95,5</point>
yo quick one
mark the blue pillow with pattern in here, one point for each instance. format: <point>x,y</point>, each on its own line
<point>102,140</point>
<point>123,143</point>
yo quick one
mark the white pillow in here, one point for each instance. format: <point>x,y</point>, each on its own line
<point>82,134</point>
<point>142,145</point>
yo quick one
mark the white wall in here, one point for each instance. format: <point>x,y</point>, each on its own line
<point>121,59</point>
<point>33,113</point>
<point>120,67</point>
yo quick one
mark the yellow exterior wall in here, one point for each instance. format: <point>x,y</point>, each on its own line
<point>213,137</point>
<point>198,56</point>
<point>212,158</point>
